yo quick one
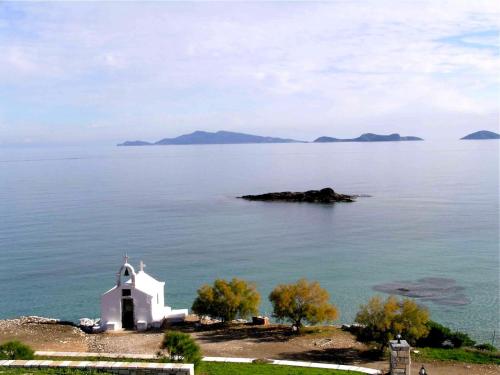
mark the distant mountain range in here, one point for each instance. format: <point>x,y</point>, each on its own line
<point>207,138</point>
<point>370,137</point>
<point>482,134</point>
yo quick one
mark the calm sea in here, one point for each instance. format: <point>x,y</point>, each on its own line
<point>67,216</point>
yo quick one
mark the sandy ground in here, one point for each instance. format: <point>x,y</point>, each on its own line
<point>276,342</point>
<point>39,336</point>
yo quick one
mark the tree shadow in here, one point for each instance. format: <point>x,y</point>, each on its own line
<point>343,356</point>
<point>255,334</point>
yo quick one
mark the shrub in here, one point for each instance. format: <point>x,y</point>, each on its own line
<point>382,320</point>
<point>227,300</point>
<point>302,301</point>
<point>181,348</point>
<point>438,335</point>
<point>459,339</point>
<point>16,350</point>
<point>486,347</point>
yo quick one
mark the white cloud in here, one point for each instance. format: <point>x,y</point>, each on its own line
<point>250,66</point>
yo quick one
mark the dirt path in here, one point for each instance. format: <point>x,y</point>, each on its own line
<point>332,345</point>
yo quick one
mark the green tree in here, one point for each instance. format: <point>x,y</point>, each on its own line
<point>227,300</point>
<point>302,301</point>
<point>16,350</point>
<point>181,348</point>
<point>383,320</point>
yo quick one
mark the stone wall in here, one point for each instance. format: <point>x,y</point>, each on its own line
<point>119,368</point>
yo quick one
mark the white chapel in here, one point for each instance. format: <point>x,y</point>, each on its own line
<point>136,302</point>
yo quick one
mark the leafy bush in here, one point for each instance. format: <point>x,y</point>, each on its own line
<point>227,300</point>
<point>382,320</point>
<point>302,301</point>
<point>181,348</point>
<point>16,350</point>
<point>459,339</point>
<point>438,335</point>
<point>486,347</point>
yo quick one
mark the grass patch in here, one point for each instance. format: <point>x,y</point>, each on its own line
<point>205,368</point>
<point>459,355</point>
<point>217,368</point>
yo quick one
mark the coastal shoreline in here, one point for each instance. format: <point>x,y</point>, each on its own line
<point>274,341</point>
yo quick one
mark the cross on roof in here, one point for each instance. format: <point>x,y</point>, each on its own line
<point>125,258</point>
<point>142,265</point>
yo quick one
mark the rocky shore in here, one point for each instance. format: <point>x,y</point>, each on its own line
<point>28,320</point>
<point>43,333</point>
<point>326,195</point>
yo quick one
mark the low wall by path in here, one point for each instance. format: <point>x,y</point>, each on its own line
<point>95,355</point>
<point>119,368</point>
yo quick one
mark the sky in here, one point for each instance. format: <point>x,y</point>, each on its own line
<point>105,72</point>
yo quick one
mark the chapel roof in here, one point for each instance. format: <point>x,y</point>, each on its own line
<point>146,283</point>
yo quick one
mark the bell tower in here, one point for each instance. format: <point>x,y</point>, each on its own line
<point>126,270</point>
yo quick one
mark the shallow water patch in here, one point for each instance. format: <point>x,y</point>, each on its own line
<point>440,290</point>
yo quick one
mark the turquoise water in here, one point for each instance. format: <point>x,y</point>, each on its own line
<point>67,215</point>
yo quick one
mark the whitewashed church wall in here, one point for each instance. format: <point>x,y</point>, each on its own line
<point>111,308</point>
<point>142,306</point>
<point>158,307</point>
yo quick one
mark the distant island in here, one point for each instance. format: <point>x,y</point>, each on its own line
<point>370,137</point>
<point>226,137</point>
<point>208,138</point>
<point>482,134</point>
<point>326,195</point>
